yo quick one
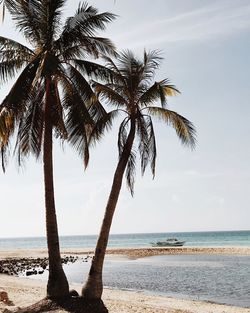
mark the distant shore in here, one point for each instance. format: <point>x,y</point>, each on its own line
<point>129,252</point>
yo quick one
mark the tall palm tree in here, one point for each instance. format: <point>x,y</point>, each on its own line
<point>51,94</point>
<point>133,93</point>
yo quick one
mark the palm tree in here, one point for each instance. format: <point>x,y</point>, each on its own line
<point>51,95</point>
<point>132,92</point>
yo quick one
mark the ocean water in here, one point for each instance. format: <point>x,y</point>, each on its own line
<point>204,239</point>
<point>217,278</point>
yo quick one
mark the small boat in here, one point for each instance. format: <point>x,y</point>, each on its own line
<point>171,242</point>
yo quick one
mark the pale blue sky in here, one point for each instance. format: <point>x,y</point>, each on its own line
<point>206,49</point>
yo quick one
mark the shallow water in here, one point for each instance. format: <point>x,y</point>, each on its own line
<point>216,278</point>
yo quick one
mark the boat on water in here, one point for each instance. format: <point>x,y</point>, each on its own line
<point>170,242</point>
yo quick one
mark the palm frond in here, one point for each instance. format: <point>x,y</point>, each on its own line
<point>78,120</point>
<point>97,46</point>
<point>151,62</point>
<point>123,135</point>
<point>2,8</point>
<point>82,28</point>
<point>27,17</point>
<point>185,130</point>
<point>131,171</point>
<point>57,112</point>
<point>142,133</point>
<point>159,91</point>
<point>88,20</point>
<point>151,145</point>
<point>13,56</point>
<point>112,66</point>
<point>110,95</point>
<point>102,125</point>
<point>7,122</point>
<point>8,69</point>
<point>78,128</point>
<point>30,129</point>
<point>91,69</point>
<point>4,157</point>
<point>5,4</point>
<point>7,44</point>
<point>19,93</point>
<point>51,12</point>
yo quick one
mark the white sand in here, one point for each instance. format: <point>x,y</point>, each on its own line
<point>130,252</point>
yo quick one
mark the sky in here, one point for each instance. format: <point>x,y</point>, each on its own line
<point>205,45</point>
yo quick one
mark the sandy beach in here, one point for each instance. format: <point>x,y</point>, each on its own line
<point>129,252</point>
<point>24,291</point>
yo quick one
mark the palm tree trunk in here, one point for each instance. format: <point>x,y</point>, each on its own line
<point>57,283</point>
<point>93,288</point>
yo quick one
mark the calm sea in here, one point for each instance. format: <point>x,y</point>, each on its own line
<point>204,239</point>
<point>217,278</point>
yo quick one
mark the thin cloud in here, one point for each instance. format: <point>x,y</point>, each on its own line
<point>208,23</point>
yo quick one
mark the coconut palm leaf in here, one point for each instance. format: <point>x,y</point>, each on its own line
<point>131,172</point>
<point>96,71</point>
<point>13,57</point>
<point>26,14</point>
<point>7,126</point>
<point>102,125</point>
<point>30,129</point>
<point>142,133</point>
<point>151,62</point>
<point>159,90</point>
<point>110,95</point>
<point>2,8</point>
<point>183,127</point>
<point>81,29</point>
<point>20,91</point>
<point>7,44</point>
<point>151,145</point>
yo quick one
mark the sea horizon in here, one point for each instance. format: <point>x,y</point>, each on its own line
<point>133,233</point>
<point>135,240</point>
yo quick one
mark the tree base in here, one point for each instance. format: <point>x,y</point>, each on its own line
<point>72,305</point>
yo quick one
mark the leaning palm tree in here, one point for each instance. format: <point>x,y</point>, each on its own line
<point>51,94</point>
<point>133,93</point>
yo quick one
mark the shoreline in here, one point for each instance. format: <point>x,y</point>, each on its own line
<point>24,291</point>
<point>132,252</point>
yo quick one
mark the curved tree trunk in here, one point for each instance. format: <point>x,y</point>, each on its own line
<point>57,283</point>
<point>93,288</point>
